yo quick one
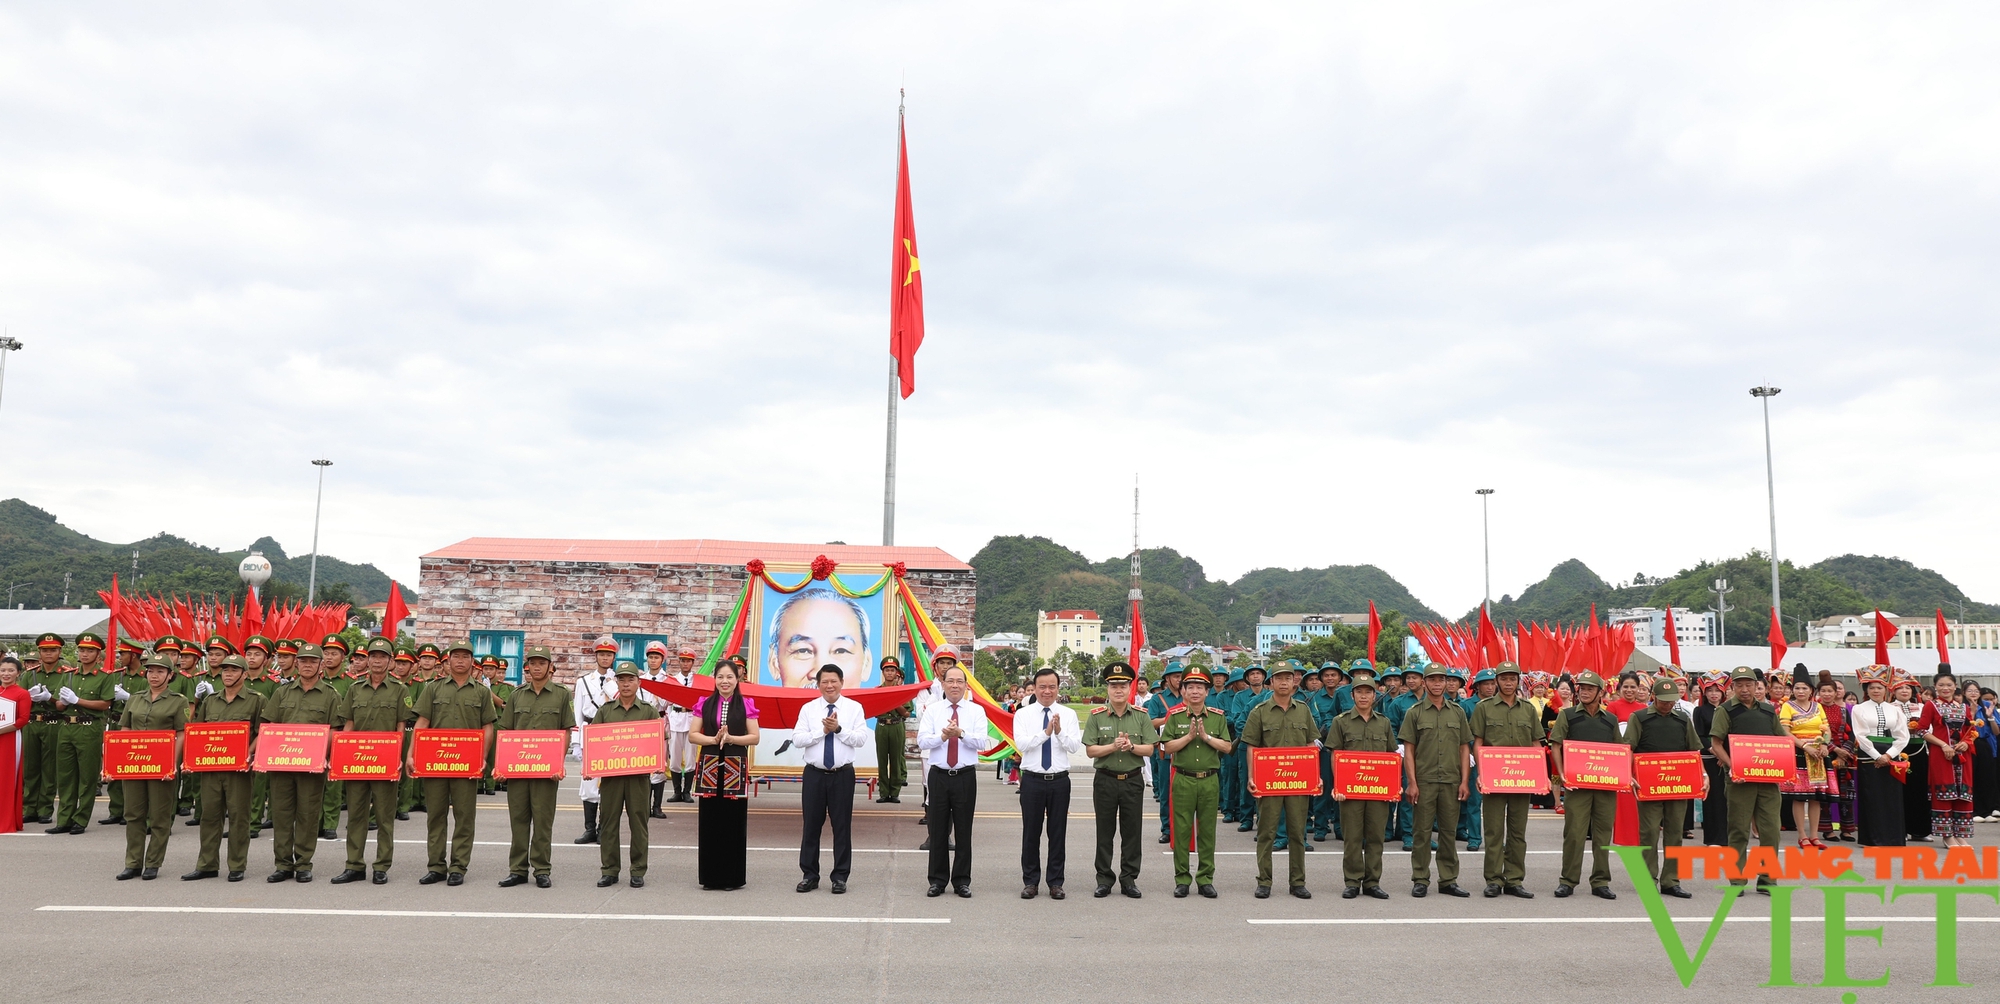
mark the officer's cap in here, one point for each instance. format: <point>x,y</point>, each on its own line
<point>1664,687</point>
<point>1434,669</point>
<point>429,649</point>
<point>1118,672</point>
<point>258,642</point>
<point>1507,667</point>
<point>1287,666</point>
<point>218,641</point>
<point>625,668</point>
<point>540,652</point>
<point>382,645</point>
<point>333,641</point>
<point>90,639</point>
<point>888,661</point>
<point>234,662</point>
<point>311,651</point>
<point>1743,673</point>
<point>159,662</point>
<point>1366,678</point>
<point>1194,674</point>
<point>49,640</point>
<point>1588,678</point>
<point>457,645</point>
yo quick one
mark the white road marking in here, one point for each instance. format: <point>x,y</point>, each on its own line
<point>498,915</point>
<point>1414,921</point>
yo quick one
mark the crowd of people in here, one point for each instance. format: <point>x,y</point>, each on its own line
<point>1899,761</point>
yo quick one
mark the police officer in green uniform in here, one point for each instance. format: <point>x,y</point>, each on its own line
<point>1195,739</point>
<point>892,738</point>
<point>1401,825</point>
<point>1587,814</point>
<point>1163,700</point>
<point>1507,718</point>
<point>1661,727</point>
<point>296,795</point>
<point>410,792</point>
<point>374,703</point>
<point>1363,729</point>
<point>543,705</point>
<point>495,670</point>
<point>334,670</point>
<point>1119,739</point>
<point>258,651</point>
<point>129,673</point>
<point>625,793</point>
<point>455,702</point>
<point>83,704</point>
<point>1235,705</point>
<point>226,794</point>
<point>1437,769</point>
<point>41,679</point>
<point>1751,803</point>
<point>1281,721</point>
<point>1470,828</point>
<point>149,805</point>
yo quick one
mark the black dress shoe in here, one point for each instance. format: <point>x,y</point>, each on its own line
<point>1603,892</point>
<point>328,835</point>
<point>963,890</point>
<point>1301,892</point>
<point>1180,892</point>
<point>1492,890</point>
<point>1374,892</point>
<point>542,882</point>
<point>839,887</point>
<point>638,882</point>
<point>193,821</point>
<point>129,873</point>
<point>113,821</point>
<point>1207,891</point>
<point>149,874</point>
<point>1263,892</point>
<point>1101,891</point>
<point>506,883</point>
<point>197,875</point>
<point>281,875</point>
<point>1164,838</point>
<point>304,875</point>
<point>936,889</point>
<point>1676,892</point>
<point>235,876</point>
<point>1029,892</point>
<point>455,878</point>
<point>588,838</point>
<point>182,812</point>
<point>431,878</point>
<point>402,815</point>
<point>806,885</point>
<point>347,875</point>
<point>656,814</point>
<point>606,881</point>
<point>1351,892</point>
<point>1518,892</point>
<point>1129,890</point>
<point>1056,892</point>
<point>1420,890</point>
<point>1565,891</point>
<point>926,845</point>
<point>56,830</point>
<point>1452,889</point>
<point>380,877</point>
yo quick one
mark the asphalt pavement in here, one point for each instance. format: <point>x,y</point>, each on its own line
<point>80,935</point>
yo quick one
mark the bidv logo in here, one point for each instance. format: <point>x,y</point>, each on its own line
<point>1943,874</point>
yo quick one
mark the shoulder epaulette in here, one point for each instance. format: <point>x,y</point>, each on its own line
<point>1097,710</point>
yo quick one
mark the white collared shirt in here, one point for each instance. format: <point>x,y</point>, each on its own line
<point>594,690</point>
<point>1879,718</point>
<point>971,722</point>
<point>1031,734</point>
<point>852,735</point>
<point>679,719</point>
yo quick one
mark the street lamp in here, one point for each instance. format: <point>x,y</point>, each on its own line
<point>1765,394</point>
<point>7,344</point>
<point>312,570</point>
<point>1486,546</point>
<point>1721,590</point>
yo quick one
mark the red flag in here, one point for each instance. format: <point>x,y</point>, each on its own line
<point>111,646</point>
<point>1884,630</point>
<point>1491,651</point>
<point>1374,630</point>
<point>906,281</point>
<point>1778,645</point>
<point>253,614</point>
<point>1673,638</point>
<point>1944,656</point>
<point>395,612</point>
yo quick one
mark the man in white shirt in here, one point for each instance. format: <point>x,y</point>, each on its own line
<point>593,691</point>
<point>1045,734</point>
<point>951,734</point>
<point>828,732</point>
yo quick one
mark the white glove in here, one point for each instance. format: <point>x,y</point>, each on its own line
<point>68,696</point>
<point>39,693</point>
<point>121,692</point>
<point>203,689</point>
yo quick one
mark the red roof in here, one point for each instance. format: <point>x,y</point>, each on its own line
<point>1071,615</point>
<point>693,552</point>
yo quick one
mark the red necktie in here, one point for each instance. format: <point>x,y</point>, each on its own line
<point>951,752</point>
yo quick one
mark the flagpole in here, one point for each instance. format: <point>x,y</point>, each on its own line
<point>889,463</point>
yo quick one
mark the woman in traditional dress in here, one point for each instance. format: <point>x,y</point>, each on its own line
<point>1714,808</point>
<point>1880,735</point>
<point>1917,786</point>
<point>1841,821</point>
<point>1985,753</point>
<point>1948,727</point>
<point>14,704</point>
<point>725,728</point>
<point>1804,719</point>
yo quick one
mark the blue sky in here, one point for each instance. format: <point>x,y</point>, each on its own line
<point>1313,272</point>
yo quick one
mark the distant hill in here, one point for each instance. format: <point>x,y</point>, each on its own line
<point>36,552</point>
<point>1904,588</point>
<point>1019,575</point>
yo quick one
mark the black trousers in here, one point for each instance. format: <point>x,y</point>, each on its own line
<point>1044,805</point>
<point>1715,808</point>
<point>828,793</point>
<point>953,794</point>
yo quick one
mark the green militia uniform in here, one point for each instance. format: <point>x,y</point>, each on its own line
<point>447,704</point>
<point>38,745</point>
<point>1588,814</point>
<point>892,743</point>
<point>1497,723</point>
<point>336,791</point>
<point>134,680</point>
<point>1156,706</point>
<point>227,793</point>
<point>296,795</point>
<point>531,802</point>
<point>1649,731</point>
<point>1364,822</point>
<point>1751,803</point>
<point>501,691</point>
<point>149,805</point>
<point>80,746</point>
<point>1436,737</point>
<point>370,708</point>
<point>188,802</point>
<point>260,783</point>
<point>1118,790</point>
<point>1195,793</point>
<point>413,787</point>
<point>630,793</point>
<point>1269,726</point>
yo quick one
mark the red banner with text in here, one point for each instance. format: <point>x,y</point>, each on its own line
<point>1284,770</point>
<point>367,756</point>
<point>1762,759</point>
<point>1513,770</point>
<point>291,748</point>
<point>139,755</point>
<point>615,749</point>
<point>529,753</point>
<point>216,746</point>
<point>1597,766</point>
<point>1368,777</point>
<point>448,752</point>
<point>1669,777</point>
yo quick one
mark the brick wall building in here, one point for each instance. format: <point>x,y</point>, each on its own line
<point>504,591</point>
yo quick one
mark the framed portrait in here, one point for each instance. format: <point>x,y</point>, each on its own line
<point>794,634</point>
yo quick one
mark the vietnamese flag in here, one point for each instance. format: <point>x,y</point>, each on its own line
<point>906,281</point>
<point>394,613</point>
<point>1374,631</point>
<point>1673,638</point>
<point>1777,637</point>
<point>1944,655</point>
<point>1883,632</point>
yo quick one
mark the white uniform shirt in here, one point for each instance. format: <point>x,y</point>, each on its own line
<point>808,734</point>
<point>679,719</point>
<point>1879,718</point>
<point>594,690</point>
<point>937,750</point>
<point>1030,735</point>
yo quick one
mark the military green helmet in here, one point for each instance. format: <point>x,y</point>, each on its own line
<point>1589,678</point>
<point>1666,687</point>
<point>540,652</point>
<point>1507,667</point>
<point>1744,673</point>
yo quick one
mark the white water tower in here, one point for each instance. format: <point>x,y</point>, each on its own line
<point>255,571</point>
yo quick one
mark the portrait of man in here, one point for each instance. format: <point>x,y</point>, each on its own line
<point>817,627</point>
